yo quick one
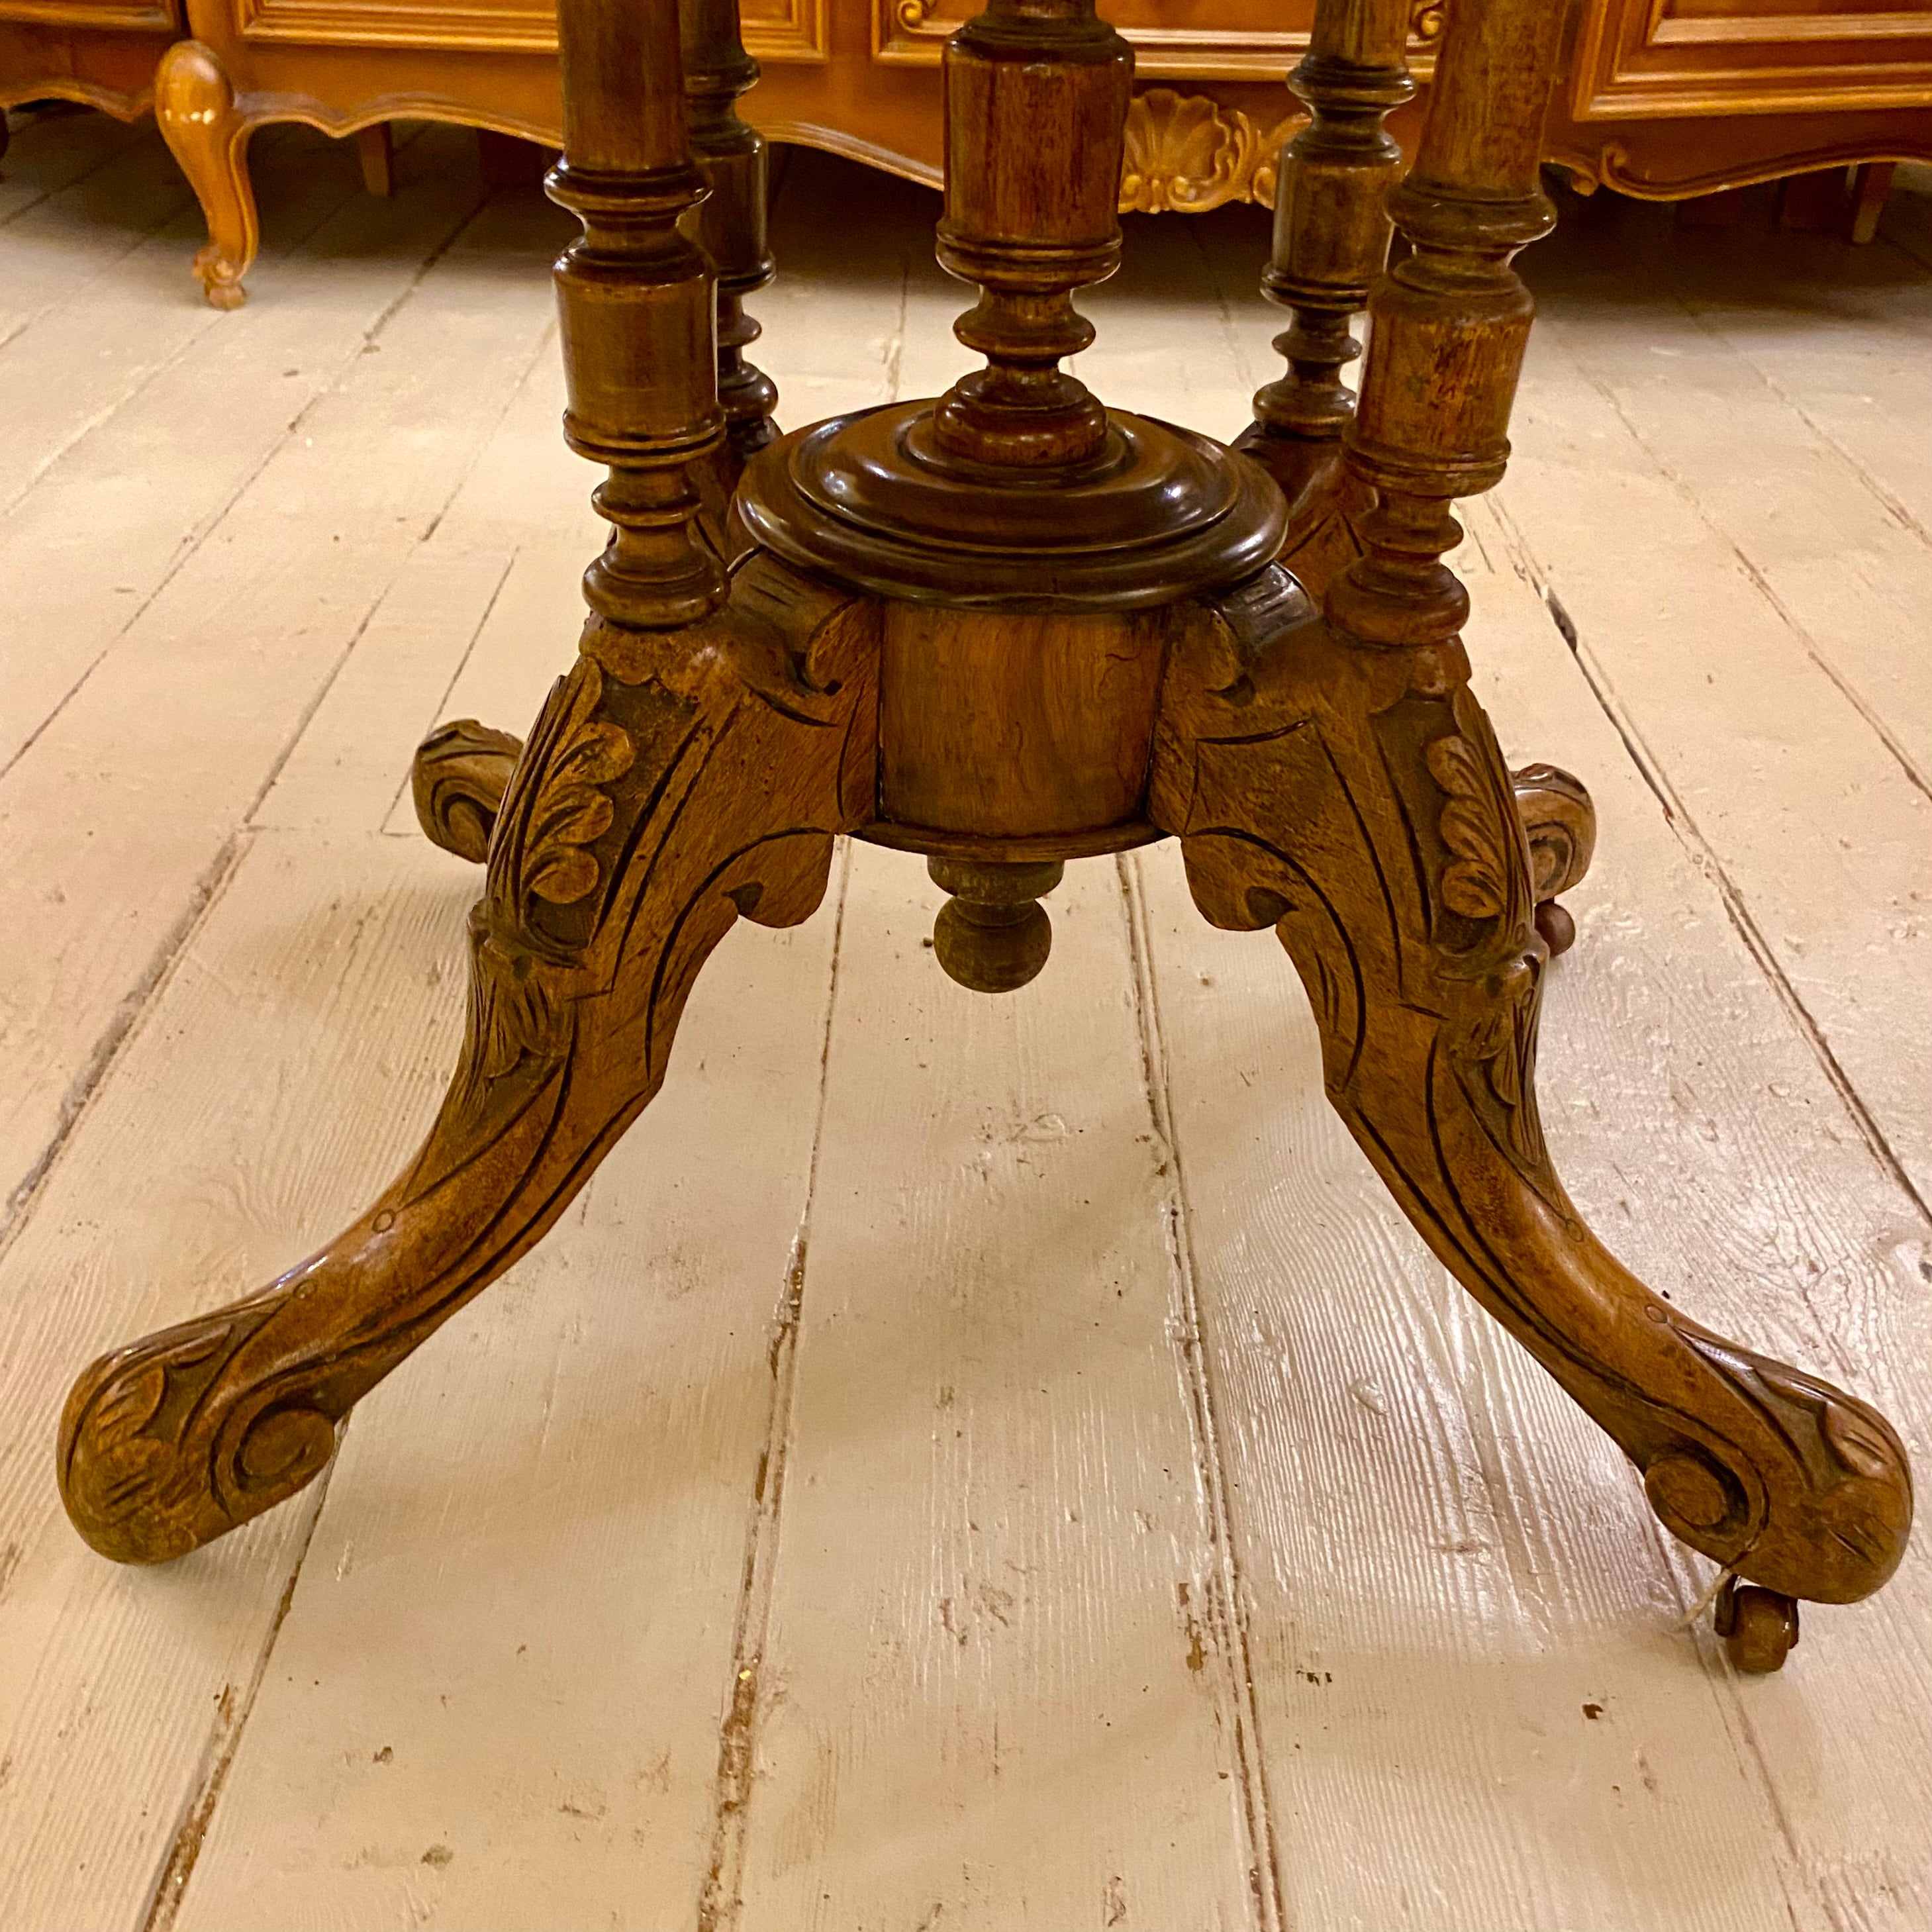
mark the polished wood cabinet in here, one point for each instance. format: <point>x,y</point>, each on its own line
<point>1659,98</point>
<point>104,52</point>
<point>1668,97</point>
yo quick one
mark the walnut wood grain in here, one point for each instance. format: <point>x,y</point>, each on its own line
<point>1063,710</point>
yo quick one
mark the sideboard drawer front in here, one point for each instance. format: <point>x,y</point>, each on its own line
<point>775,30</point>
<point>1207,40</point>
<point>134,17</point>
<point>1640,58</point>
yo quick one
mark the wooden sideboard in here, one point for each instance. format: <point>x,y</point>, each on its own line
<point>104,52</point>
<point>1659,98</point>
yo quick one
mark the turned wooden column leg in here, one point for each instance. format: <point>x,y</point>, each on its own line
<point>731,222</point>
<point>459,770</point>
<point>1358,804</point>
<point>195,105</point>
<point>1331,237</point>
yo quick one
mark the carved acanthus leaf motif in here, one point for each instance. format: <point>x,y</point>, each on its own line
<point>555,809</point>
<point>514,1009</point>
<point>1189,153</point>
<point>1497,1058</point>
<point>1475,882</point>
<point>556,806</point>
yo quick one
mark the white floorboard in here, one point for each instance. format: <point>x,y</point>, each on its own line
<point>963,1463</point>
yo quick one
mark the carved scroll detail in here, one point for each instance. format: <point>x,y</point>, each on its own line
<point>1188,153</point>
<point>457,780</point>
<point>1560,822</point>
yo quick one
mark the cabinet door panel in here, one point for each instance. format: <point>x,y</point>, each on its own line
<point>775,30</point>
<point>1209,40</point>
<point>140,16</point>
<point>1684,57</point>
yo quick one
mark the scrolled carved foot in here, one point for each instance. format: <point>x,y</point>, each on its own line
<point>1357,802</point>
<point>1759,1627</point>
<point>1560,822</point>
<point>674,782</point>
<point>457,779</point>
<point>144,1478</point>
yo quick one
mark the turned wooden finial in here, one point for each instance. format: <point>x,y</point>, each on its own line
<point>731,221</point>
<point>635,300</point>
<point>1036,94</point>
<point>993,935</point>
<point>1331,225</point>
<point>1450,321</point>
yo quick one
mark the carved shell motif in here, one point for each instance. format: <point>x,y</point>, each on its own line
<point>1189,153</point>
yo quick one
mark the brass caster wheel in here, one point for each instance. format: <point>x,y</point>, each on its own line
<point>1759,1626</point>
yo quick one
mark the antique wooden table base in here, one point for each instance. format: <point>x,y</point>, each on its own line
<point>1010,628</point>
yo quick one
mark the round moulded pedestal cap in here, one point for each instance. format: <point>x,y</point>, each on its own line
<point>1162,514</point>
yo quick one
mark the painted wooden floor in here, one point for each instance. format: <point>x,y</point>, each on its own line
<point>965,1465</point>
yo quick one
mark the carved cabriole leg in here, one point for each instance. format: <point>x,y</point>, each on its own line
<point>195,105</point>
<point>673,782</point>
<point>1331,237</point>
<point>1356,801</point>
<point>695,764</point>
<point>1336,779</point>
